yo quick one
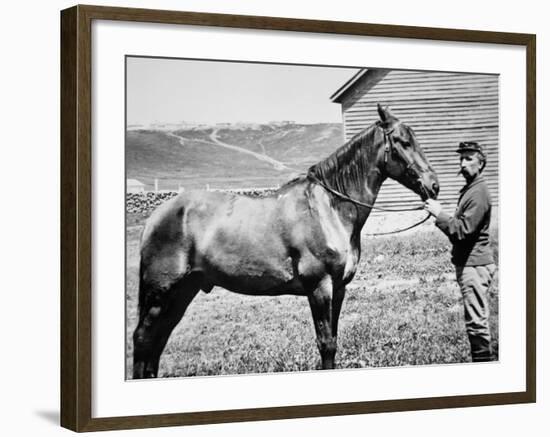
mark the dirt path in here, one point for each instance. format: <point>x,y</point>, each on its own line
<point>261,144</point>
<point>215,141</point>
<point>276,164</point>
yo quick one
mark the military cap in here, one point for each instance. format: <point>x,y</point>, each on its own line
<point>467,146</point>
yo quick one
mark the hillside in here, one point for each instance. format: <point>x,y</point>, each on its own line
<point>228,156</point>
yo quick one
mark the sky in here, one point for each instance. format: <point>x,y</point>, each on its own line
<point>176,90</point>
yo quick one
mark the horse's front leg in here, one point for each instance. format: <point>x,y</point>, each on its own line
<point>325,303</point>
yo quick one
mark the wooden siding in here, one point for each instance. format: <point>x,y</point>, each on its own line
<point>442,108</point>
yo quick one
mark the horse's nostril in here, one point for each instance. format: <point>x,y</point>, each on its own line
<point>435,187</point>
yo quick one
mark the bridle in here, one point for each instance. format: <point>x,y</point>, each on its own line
<point>389,149</point>
<point>412,167</point>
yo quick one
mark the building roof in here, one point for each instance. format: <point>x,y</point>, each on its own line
<point>336,97</point>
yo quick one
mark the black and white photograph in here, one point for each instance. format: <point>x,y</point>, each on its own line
<point>275,218</point>
<point>287,217</point>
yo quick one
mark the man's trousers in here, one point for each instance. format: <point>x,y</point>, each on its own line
<point>474,282</point>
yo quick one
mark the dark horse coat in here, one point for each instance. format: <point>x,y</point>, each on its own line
<point>304,239</point>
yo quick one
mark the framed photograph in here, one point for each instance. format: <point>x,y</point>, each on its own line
<point>268,218</point>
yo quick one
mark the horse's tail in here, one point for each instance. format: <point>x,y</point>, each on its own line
<point>141,282</point>
<point>140,289</point>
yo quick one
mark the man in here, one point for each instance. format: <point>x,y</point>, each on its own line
<point>468,231</point>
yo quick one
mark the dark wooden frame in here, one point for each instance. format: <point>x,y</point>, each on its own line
<point>76,217</point>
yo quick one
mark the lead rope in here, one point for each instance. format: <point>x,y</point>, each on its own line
<point>387,147</point>
<point>366,205</point>
<point>357,202</point>
<point>376,234</point>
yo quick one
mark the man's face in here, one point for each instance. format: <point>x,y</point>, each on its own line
<point>470,165</point>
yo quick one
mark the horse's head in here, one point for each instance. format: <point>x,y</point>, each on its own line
<point>401,157</point>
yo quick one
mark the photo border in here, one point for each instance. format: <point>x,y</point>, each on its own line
<point>76,217</point>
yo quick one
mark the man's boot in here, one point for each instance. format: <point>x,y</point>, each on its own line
<point>481,349</point>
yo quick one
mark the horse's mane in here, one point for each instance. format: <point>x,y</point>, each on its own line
<point>347,166</point>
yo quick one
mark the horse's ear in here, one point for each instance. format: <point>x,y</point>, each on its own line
<point>384,113</point>
<point>386,116</point>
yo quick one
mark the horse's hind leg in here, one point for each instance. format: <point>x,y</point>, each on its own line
<point>160,311</point>
<point>325,306</point>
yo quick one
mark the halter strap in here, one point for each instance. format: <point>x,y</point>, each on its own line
<point>389,147</point>
<point>388,144</point>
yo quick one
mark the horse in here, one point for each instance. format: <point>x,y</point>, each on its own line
<point>304,239</point>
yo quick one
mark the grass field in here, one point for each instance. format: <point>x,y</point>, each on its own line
<point>402,308</point>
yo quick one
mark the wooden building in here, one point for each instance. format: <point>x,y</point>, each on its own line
<point>442,108</point>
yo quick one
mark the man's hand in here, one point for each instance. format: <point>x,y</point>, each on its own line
<point>433,207</point>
